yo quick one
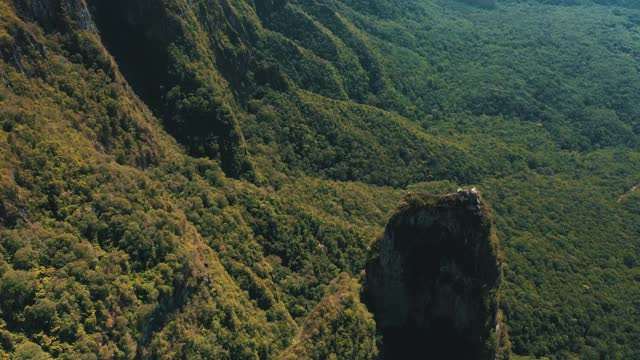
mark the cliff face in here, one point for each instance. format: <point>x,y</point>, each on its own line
<point>56,14</point>
<point>434,285</point>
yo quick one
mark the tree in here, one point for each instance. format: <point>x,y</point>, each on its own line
<point>17,289</point>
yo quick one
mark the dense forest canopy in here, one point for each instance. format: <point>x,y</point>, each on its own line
<point>206,178</point>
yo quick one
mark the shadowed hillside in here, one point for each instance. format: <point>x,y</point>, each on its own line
<point>207,179</point>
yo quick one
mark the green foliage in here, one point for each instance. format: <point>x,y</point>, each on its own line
<point>30,351</point>
<point>340,327</point>
<point>303,132</point>
<point>18,289</point>
<point>114,243</point>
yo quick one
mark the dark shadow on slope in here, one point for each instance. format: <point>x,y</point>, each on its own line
<point>158,56</point>
<point>131,33</point>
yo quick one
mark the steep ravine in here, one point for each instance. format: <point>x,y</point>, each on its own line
<point>176,55</point>
<point>433,284</point>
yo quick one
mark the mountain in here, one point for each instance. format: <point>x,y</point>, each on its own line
<point>212,178</point>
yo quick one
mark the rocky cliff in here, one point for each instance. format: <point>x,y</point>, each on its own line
<point>434,282</point>
<point>57,14</point>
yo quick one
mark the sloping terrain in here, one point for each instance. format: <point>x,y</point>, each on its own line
<point>205,178</point>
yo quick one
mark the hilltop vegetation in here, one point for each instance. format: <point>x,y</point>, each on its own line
<point>204,179</point>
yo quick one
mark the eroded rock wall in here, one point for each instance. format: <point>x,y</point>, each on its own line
<point>434,282</point>
<point>56,14</point>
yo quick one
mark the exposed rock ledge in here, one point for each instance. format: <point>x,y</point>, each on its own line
<point>433,283</point>
<point>53,14</point>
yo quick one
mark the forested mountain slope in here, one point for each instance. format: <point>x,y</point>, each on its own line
<point>204,178</point>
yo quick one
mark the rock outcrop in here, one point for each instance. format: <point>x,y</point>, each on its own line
<point>57,14</point>
<point>434,281</point>
<point>21,47</point>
